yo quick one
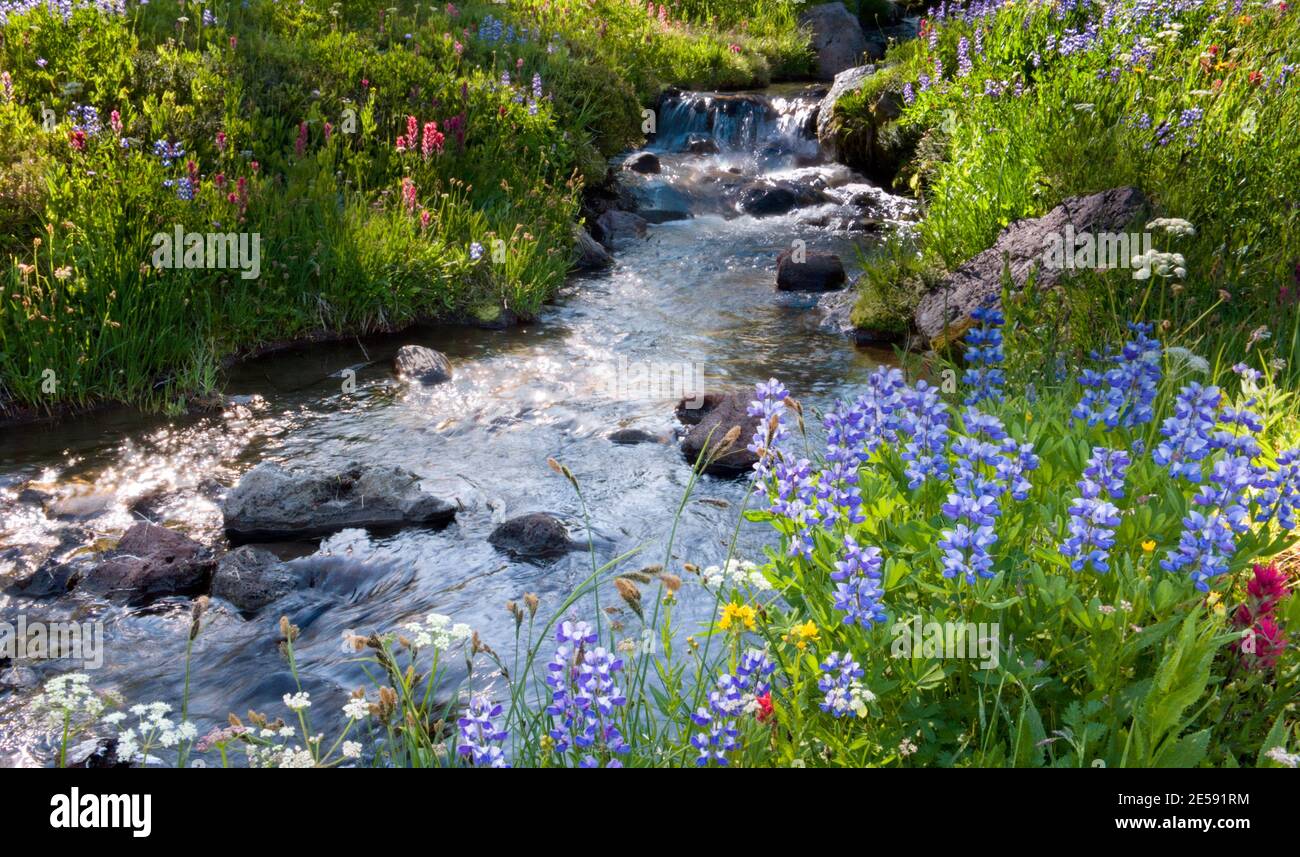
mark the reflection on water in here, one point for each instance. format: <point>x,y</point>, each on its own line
<point>695,292</point>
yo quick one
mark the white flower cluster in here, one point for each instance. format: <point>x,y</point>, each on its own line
<point>437,631</point>
<point>280,757</point>
<point>1282,757</point>
<point>67,697</point>
<point>297,701</point>
<point>741,574</point>
<point>357,708</point>
<point>1183,360</point>
<point>153,728</point>
<point>1159,263</point>
<point>1172,226</point>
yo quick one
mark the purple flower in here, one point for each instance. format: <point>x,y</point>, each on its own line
<point>859,592</point>
<point>480,738</point>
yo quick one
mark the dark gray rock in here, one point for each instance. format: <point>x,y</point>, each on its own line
<point>53,578</point>
<point>588,255</point>
<point>251,578</point>
<point>837,38</point>
<point>705,440</point>
<point>818,272</point>
<point>417,363</point>
<point>627,437</point>
<point>148,563</point>
<point>943,314</point>
<point>765,200</point>
<point>620,227</point>
<point>699,144</point>
<point>642,162</point>
<point>271,503</point>
<point>536,535</point>
<point>18,678</point>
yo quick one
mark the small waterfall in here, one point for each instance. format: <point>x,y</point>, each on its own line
<point>769,127</point>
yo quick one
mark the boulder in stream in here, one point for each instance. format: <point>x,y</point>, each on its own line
<point>620,227</point>
<point>537,535</point>
<point>705,440</point>
<point>642,162</point>
<point>588,255</point>
<point>417,363</point>
<point>631,436</point>
<point>818,272</point>
<point>271,503</point>
<point>149,562</point>
<point>251,578</point>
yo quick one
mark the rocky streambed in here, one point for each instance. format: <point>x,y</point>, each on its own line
<point>356,486</point>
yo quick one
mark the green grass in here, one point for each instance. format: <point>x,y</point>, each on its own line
<point>83,319</point>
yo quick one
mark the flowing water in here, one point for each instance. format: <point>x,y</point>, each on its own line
<point>694,297</point>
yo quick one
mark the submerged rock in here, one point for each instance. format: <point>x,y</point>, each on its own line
<point>943,314</point>
<point>251,578</point>
<point>837,38</point>
<point>629,436</point>
<point>642,162</point>
<point>700,144</point>
<point>588,255</point>
<point>417,363</point>
<point>150,562</point>
<point>765,200</point>
<point>818,272</point>
<point>271,503</point>
<point>620,227</point>
<point>537,535</point>
<point>705,440</point>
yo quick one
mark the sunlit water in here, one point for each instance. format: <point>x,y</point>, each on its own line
<point>697,293</point>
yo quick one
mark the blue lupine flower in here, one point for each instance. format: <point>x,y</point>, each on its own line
<point>85,118</point>
<point>795,500</point>
<point>1242,425</point>
<point>1187,433</point>
<point>716,741</point>
<point>1204,548</point>
<point>963,57</point>
<point>957,541</point>
<point>1230,478</point>
<point>475,251</point>
<point>1092,533</point>
<point>877,412</point>
<point>1247,374</point>
<point>839,684</point>
<point>184,189</point>
<point>984,354</point>
<point>859,592</point>
<point>480,738</point>
<point>768,406</point>
<point>755,665</point>
<point>584,692</point>
<point>1281,491</point>
<point>1123,395</point>
<point>168,152</point>
<point>925,422</point>
<point>1017,460</point>
<point>1105,472</point>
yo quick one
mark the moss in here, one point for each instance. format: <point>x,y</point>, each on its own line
<point>888,292</point>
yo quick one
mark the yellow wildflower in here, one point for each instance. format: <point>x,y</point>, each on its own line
<point>737,613</point>
<point>1149,545</point>
<point>803,634</point>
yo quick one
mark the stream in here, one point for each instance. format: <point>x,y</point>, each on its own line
<point>696,294</point>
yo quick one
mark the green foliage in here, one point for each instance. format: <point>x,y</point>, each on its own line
<point>259,101</point>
